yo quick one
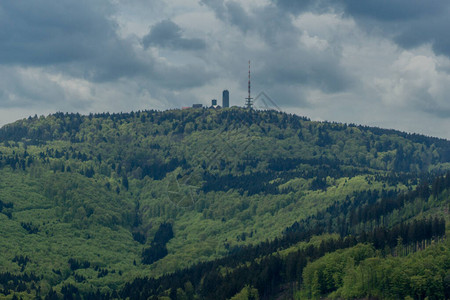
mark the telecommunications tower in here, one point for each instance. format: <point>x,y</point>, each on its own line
<point>249,99</point>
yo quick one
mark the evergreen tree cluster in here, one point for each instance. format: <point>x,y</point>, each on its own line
<point>158,249</point>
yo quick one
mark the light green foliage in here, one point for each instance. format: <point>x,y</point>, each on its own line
<point>360,272</point>
<point>247,293</point>
<point>325,275</point>
<point>88,183</point>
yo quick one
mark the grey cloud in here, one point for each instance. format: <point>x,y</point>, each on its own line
<point>168,34</point>
<point>218,6</point>
<point>45,32</point>
<point>422,100</point>
<point>284,97</point>
<point>231,12</point>
<point>394,10</point>
<point>69,36</point>
<point>28,88</point>
<point>182,77</point>
<point>306,69</point>
<point>78,40</point>
<point>410,23</point>
<point>295,6</point>
<point>268,21</point>
<point>284,62</point>
<point>238,16</point>
<point>382,10</point>
<point>33,89</point>
<point>300,6</point>
<point>433,30</point>
<point>439,112</point>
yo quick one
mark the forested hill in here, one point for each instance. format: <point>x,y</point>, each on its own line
<point>282,141</point>
<point>90,203</point>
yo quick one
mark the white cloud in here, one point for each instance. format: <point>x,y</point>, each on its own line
<point>415,82</point>
<point>313,42</point>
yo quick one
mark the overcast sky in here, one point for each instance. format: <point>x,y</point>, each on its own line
<point>381,63</point>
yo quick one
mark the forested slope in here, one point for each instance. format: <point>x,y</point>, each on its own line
<point>89,203</point>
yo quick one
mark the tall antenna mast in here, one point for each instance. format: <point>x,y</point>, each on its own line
<point>249,102</point>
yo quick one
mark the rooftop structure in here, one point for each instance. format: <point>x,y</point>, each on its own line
<point>214,104</point>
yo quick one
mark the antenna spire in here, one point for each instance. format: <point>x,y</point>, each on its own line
<point>249,102</point>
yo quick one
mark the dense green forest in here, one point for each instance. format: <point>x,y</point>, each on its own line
<point>230,203</point>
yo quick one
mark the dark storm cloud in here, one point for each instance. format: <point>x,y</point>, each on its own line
<point>410,23</point>
<point>394,10</point>
<point>432,30</point>
<point>45,32</point>
<point>382,10</point>
<point>169,35</point>
<point>74,36</point>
